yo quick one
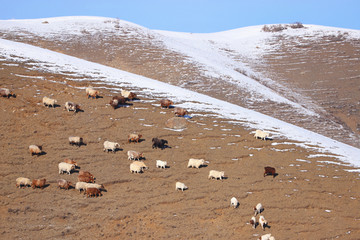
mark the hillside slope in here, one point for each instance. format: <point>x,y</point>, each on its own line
<point>314,193</point>
<point>247,67</point>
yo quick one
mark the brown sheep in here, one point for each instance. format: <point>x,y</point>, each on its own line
<point>93,192</point>
<point>180,112</point>
<point>86,174</point>
<point>86,179</point>
<point>166,103</point>
<point>270,171</point>
<point>133,137</point>
<point>159,143</point>
<point>70,161</point>
<point>63,184</point>
<point>38,183</point>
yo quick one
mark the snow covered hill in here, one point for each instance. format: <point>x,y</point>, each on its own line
<point>292,75</point>
<point>78,69</point>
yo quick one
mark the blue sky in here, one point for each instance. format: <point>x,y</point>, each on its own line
<point>201,16</point>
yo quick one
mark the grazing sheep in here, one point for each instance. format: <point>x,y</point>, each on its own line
<point>66,167</point>
<point>38,183</point>
<point>270,171</point>
<point>80,186</point>
<point>92,93</point>
<point>87,174</point>
<point>159,143</point>
<point>70,106</point>
<point>48,102</point>
<point>180,112</point>
<point>181,186</point>
<point>121,100</point>
<point>166,103</point>
<point>134,168</point>
<point>95,185</point>
<point>216,174</point>
<point>141,164</point>
<point>111,146</point>
<point>35,150</point>
<point>87,179</point>
<point>63,184</point>
<point>133,137</point>
<point>67,160</point>
<point>134,155</point>
<point>88,89</point>
<point>234,202</point>
<point>195,163</point>
<point>263,222</point>
<point>128,95</point>
<point>4,92</point>
<point>253,222</point>
<point>261,134</point>
<point>161,164</point>
<point>21,181</point>
<point>78,141</point>
<point>93,192</point>
<point>114,103</point>
<point>258,209</point>
<point>267,237</point>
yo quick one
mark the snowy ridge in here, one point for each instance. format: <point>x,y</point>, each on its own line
<point>56,62</point>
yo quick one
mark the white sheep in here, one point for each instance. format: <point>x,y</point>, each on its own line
<point>181,186</point>
<point>66,167</point>
<point>78,141</point>
<point>258,209</point>
<point>80,186</point>
<point>35,150</point>
<point>111,146</point>
<point>128,94</point>
<point>261,134</point>
<point>134,168</point>
<point>196,163</point>
<point>161,164</point>
<point>263,222</point>
<point>95,185</point>
<point>4,92</point>
<point>140,164</point>
<point>21,181</point>
<point>216,174</point>
<point>134,155</point>
<point>90,92</point>
<point>267,237</point>
<point>253,222</point>
<point>234,202</point>
<point>48,102</point>
<point>70,106</point>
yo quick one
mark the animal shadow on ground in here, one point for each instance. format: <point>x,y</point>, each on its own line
<point>269,174</point>
<point>45,186</point>
<point>40,154</point>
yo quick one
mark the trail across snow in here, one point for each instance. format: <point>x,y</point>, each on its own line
<point>59,63</point>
